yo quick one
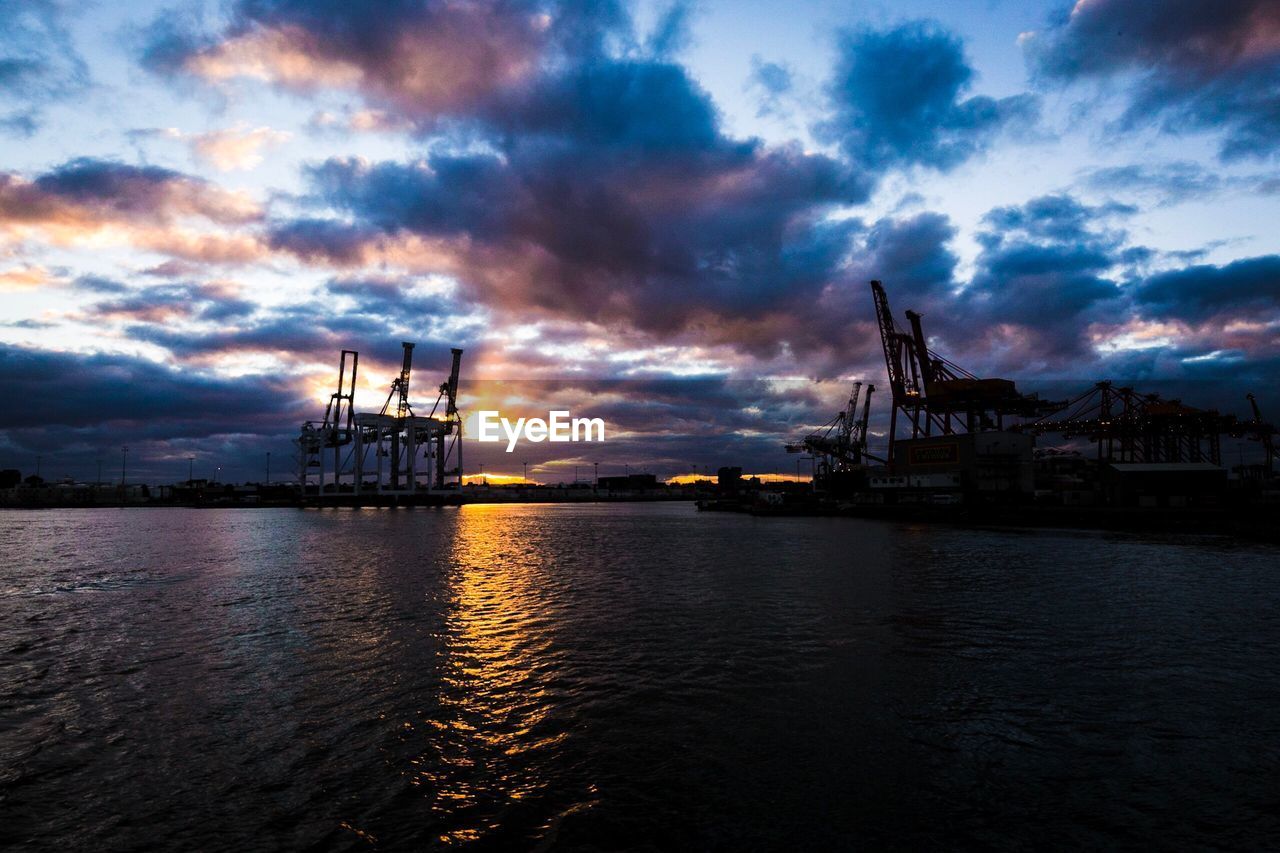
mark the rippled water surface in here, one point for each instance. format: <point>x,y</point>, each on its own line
<point>627,677</point>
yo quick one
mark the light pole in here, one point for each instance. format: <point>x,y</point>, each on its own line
<point>191,465</point>
<point>596,466</point>
<point>268,467</point>
<point>124,465</point>
<point>525,477</point>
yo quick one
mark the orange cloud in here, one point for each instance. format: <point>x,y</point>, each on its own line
<point>100,203</point>
<point>238,147</point>
<point>25,277</point>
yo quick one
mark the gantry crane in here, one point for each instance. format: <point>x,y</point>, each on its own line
<point>934,394</point>
<point>395,435</point>
<point>1130,426</point>
<point>840,445</point>
<point>1265,432</point>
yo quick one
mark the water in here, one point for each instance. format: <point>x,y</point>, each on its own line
<point>633,676</point>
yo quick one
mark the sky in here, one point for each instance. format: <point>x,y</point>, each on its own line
<point>663,214</point>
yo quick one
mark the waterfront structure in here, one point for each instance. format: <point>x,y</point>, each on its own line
<point>392,455</point>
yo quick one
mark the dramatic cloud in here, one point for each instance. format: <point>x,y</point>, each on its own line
<point>105,389</point>
<point>212,302</point>
<point>1248,289</point>
<point>1043,272</point>
<point>614,197</point>
<point>423,59</point>
<point>897,100</point>
<point>548,186</point>
<point>1046,275</point>
<point>917,253</point>
<point>1195,64</point>
<point>145,206</point>
<point>1058,284</point>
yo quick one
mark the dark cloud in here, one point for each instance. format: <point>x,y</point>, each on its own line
<point>1248,289</point>
<point>104,389</point>
<point>211,303</point>
<point>914,256</point>
<point>424,59</point>
<point>1044,271</point>
<point>321,240</point>
<point>1043,276</point>
<point>613,196</point>
<point>94,201</point>
<point>1199,65</point>
<point>916,252</point>
<point>1058,289</point>
<point>608,191</point>
<point>88,191</point>
<point>291,335</point>
<point>391,297</point>
<point>312,333</point>
<point>100,284</point>
<point>163,414</point>
<point>637,107</point>
<point>1170,182</point>
<point>897,100</point>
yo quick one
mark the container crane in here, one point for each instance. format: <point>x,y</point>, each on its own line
<point>1266,433</point>
<point>935,394</point>
<point>840,445</point>
<point>396,436</point>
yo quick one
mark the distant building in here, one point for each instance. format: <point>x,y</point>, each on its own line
<point>729,479</point>
<point>629,483</point>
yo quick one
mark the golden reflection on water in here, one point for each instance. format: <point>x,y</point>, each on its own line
<point>490,731</point>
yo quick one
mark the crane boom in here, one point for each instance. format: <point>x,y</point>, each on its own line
<point>866,417</point>
<point>889,340</point>
<point>451,387</point>
<point>400,385</point>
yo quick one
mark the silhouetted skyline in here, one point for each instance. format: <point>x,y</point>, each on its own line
<point>666,205</point>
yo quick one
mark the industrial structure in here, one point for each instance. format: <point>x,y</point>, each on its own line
<point>1266,434</point>
<point>838,448</point>
<point>935,395</point>
<point>1130,427</point>
<point>956,438</point>
<point>959,442</point>
<point>1149,451</point>
<point>390,456</point>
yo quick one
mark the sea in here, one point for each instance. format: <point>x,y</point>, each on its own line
<point>637,676</point>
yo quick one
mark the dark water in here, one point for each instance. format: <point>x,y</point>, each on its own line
<point>627,677</point>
